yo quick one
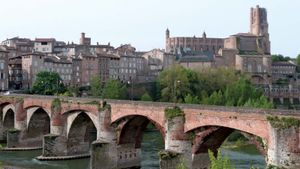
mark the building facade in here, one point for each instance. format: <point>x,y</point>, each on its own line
<point>44,45</point>
<point>156,61</point>
<point>34,63</point>
<point>130,68</point>
<point>3,69</point>
<point>174,44</point>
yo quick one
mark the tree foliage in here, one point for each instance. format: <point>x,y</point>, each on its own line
<point>222,86</point>
<point>174,83</point>
<point>146,97</point>
<point>219,162</point>
<point>96,86</point>
<point>114,89</point>
<point>279,57</point>
<point>48,83</point>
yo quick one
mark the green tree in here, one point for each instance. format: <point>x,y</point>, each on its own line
<point>279,57</point>
<point>262,102</point>
<point>114,89</point>
<point>146,97</point>
<point>48,83</point>
<point>215,99</point>
<point>190,99</point>
<point>74,91</point>
<point>174,83</point>
<point>298,60</point>
<point>219,162</point>
<point>96,86</point>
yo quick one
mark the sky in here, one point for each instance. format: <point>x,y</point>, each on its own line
<point>142,23</point>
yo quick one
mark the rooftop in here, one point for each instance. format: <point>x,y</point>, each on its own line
<point>282,63</point>
<point>44,39</point>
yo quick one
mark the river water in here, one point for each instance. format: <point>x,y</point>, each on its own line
<point>241,158</point>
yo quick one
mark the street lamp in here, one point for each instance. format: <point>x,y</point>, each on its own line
<point>58,83</point>
<point>44,87</point>
<point>131,91</point>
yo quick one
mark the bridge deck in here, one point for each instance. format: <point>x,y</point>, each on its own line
<point>165,104</point>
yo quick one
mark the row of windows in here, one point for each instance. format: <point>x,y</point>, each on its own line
<point>127,70</point>
<point>286,67</point>
<point>57,64</point>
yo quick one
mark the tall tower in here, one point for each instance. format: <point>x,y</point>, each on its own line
<point>259,26</point>
<point>167,40</point>
<point>259,23</point>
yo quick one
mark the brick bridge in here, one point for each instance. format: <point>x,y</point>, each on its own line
<point>112,135</point>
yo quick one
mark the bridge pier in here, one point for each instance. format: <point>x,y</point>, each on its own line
<point>201,161</point>
<point>56,122</point>
<point>104,153</point>
<point>177,142</point>
<point>20,119</point>
<point>128,156</point>
<point>54,145</point>
<point>14,136</point>
<point>2,129</point>
<point>284,147</point>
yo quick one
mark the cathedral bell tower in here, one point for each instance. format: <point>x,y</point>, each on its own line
<point>259,26</point>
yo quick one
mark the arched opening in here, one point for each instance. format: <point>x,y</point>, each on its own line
<point>257,79</point>
<point>81,135</point>
<point>243,149</point>
<point>140,140</point>
<point>38,126</point>
<point>8,122</point>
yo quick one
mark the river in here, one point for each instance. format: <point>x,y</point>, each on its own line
<point>241,158</point>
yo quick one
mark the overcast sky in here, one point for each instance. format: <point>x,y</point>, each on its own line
<point>142,23</point>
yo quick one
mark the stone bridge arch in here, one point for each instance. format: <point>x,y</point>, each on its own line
<point>131,129</point>
<point>154,113</point>
<point>8,119</point>
<point>37,125</point>
<point>211,127</point>
<point>6,108</point>
<point>82,130</point>
<point>32,109</point>
<point>253,123</point>
<point>73,114</point>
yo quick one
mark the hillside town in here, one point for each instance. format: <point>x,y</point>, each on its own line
<point>195,102</point>
<point>76,63</point>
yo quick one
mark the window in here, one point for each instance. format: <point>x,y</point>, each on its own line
<point>259,68</point>
<point>249,68</point>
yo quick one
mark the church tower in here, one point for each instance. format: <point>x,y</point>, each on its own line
<point>259,22</point>
<point>259,26</point>
<point>167,34</point>
<point>167,40</point>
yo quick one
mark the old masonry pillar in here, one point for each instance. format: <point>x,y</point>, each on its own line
<point>55,144</point>
<point>104,149</point>
<point>178,147</point>
<point>14,135</point>
<point>284,142</point>
<point>56,124</point>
